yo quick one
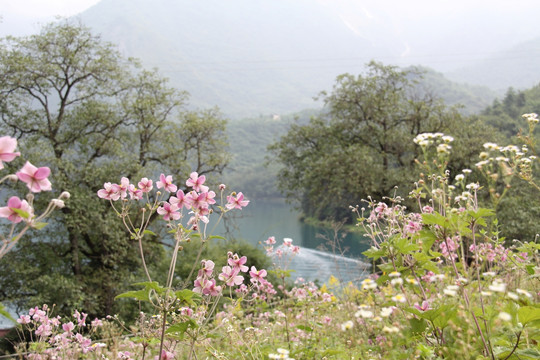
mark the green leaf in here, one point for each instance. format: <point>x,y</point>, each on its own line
<point>305,328</point>
<point>149,232</point>
<point>217,237</point>
<point>528,314</point>
<point>21,213</point>
<point>5,313</point>
<point>374,253</point>
<point>187,296</point>
<point>141,295</point>
<point>434,219</point>
<point>39,225</point>
<point>154,285</point>
<point>418,326</point>
<point>177,331</point>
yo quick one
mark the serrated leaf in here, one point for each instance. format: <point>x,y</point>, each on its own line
<point>141,295</point>
<point>528,314</point>
<point>178,330</point>
<point>434,219</point>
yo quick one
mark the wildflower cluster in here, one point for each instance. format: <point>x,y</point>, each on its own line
<point>54,338</point>
<point>22,210</point>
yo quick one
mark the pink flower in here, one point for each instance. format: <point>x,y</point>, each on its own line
<point>423,307</point>
<point>230,276</point>
<point>196,182</point>
<point>222,187</point>
<point>145,185</point>
<point>287,242</point>
<point>169,211</point>
<point>122,188</point>
<point>7,148</point>
<point>69,327</point>
<point>237,202</point>
<point>271,240</point>
<point>257,275</point>
<point>166,183</point>
<point>295,250</point>
<point>427,209</point>
<point>24,319</point>
<point>413,227</point>
<point>238,262</point>
<point>35,178</point>
<point>212,289</point>
<point>165,355</point>
<point>15,203</point>
<point>181,200</point>
<point>134,193</point>
<point>198,200</point>
<point>207,268</point>
<point>109,192</point>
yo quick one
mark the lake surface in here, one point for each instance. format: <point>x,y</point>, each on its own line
<point>323,253</point>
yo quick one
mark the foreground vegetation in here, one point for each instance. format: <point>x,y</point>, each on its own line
<point>446,285</point>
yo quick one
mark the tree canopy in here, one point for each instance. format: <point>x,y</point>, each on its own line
<point>92,116</point>
<point>362,144</point>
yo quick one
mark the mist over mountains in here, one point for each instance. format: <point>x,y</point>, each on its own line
<point>252,57</point>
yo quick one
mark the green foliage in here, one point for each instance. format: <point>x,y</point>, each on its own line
<point>92,117</point>
<point>370,122</point>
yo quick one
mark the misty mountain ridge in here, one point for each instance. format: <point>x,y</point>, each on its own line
<point>252,57</point>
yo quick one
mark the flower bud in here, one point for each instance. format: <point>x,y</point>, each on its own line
<point>13,177</point>
<point>64,195</point>
<point>58,203</point>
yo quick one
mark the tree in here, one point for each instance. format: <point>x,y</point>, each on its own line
<point>92,116</point>
<point>362,144</point>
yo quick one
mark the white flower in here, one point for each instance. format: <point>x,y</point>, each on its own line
<point>412,281</point>
<point>366,314</point>
<point>399,298</point>
<point>460,177</point>
<point>512,296</point>
<point>497,286</point>
<point>505,316</point>
<point>447,139</point>
<point>347,325</point>
<point>390,329</point>
<point>524,292</point>
<point>368,284</point>
<point>396,281</point>
<point>443,148</point>
<point>386,311</point>
<point>394,274</point>
<point>491,146</point>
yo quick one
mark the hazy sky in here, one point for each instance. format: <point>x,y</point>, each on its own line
<point>22,17</point>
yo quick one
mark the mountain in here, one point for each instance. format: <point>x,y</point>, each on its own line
<point>246,56</point>
<point>261,57</point>
<point>517,67</point>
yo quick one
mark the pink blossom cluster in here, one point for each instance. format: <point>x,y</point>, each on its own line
<point>36,179</point>
<point>487,252</point>
<point>448,248</point>
<point>286,246</point>
<point>231,276</point>
<point>64,338</point>
<point>197,201</point>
